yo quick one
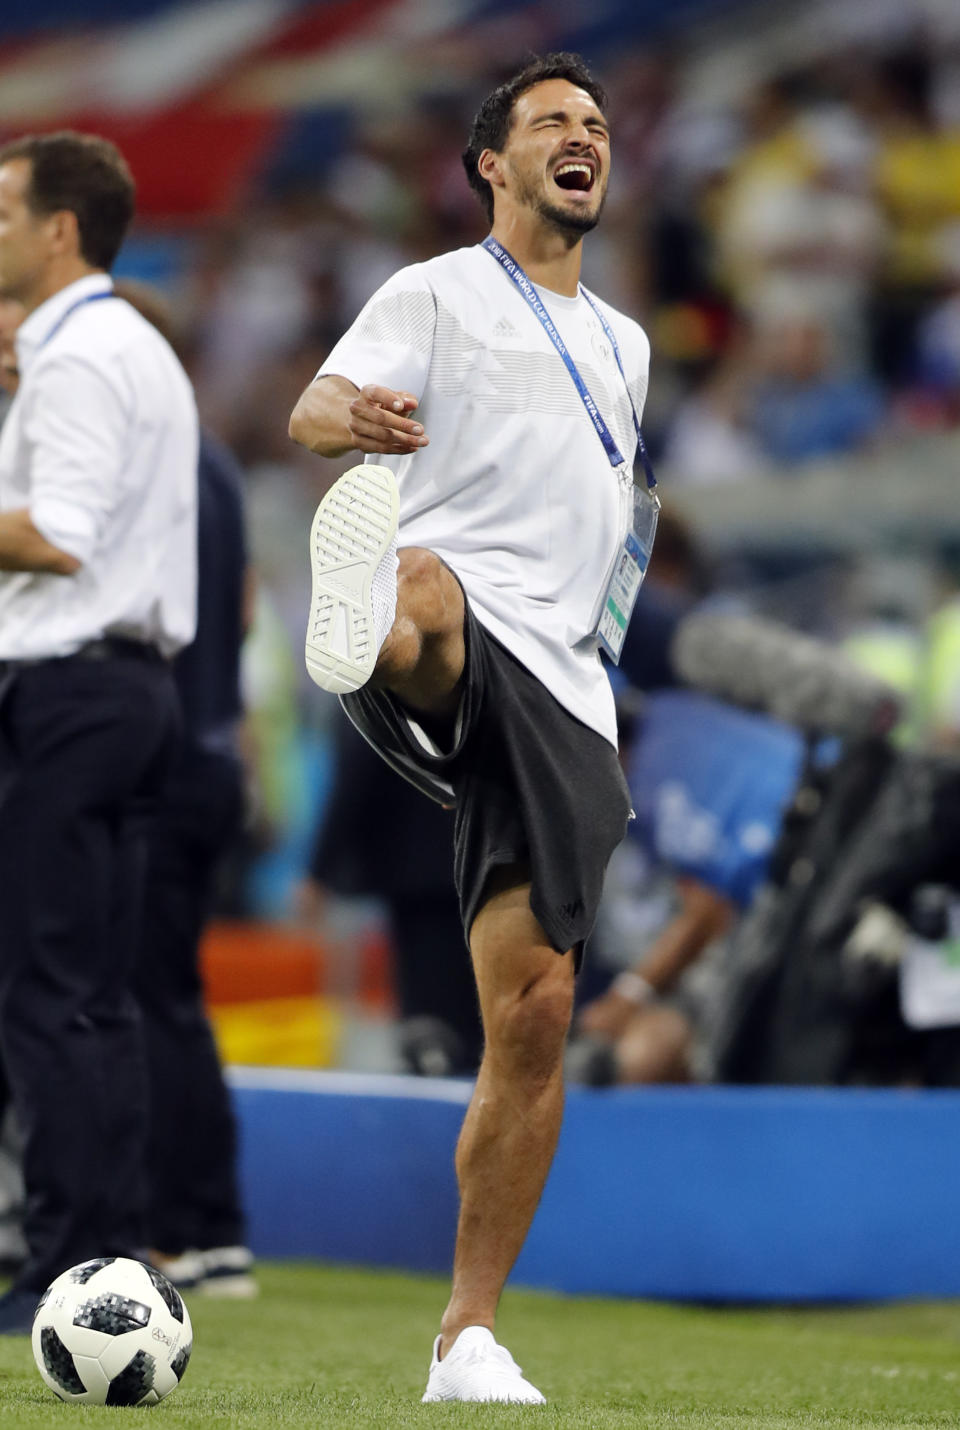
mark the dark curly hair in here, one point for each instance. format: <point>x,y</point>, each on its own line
<point>493,120</point>
<point>85,174</point>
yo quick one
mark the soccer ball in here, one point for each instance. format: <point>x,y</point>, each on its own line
<point>112,1332</point>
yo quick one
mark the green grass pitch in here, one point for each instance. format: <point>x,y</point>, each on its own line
<point>326,1347</point>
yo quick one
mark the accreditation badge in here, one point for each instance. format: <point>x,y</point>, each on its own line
<point>628,572</point>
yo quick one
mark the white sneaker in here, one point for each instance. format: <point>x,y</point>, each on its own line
<point>185,1271</point>
<point>353,552</point>
<point>225,1271</point>
<point>228,1272</point>
<point>476,1368</point>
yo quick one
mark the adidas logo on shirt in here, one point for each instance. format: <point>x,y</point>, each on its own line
<point>503,328</point>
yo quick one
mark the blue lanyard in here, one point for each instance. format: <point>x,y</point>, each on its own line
<point>513,270</point>
<point>642,452</point>
<point>80,303</point>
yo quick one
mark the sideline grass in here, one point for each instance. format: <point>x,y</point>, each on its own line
<point>325,1347</point>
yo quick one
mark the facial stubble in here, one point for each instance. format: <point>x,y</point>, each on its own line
<point>571,225</point>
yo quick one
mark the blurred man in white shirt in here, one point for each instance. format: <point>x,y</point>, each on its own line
<point>98,461</point>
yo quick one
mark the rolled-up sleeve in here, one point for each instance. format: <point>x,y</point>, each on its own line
<point>74,431</point>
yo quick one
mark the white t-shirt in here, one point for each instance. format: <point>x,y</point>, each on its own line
<point>515,491</point>
<point>100,444</point>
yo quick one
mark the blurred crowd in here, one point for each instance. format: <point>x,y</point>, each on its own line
<point>794,254</point>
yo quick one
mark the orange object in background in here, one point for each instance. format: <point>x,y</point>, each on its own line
<point>277,995</point>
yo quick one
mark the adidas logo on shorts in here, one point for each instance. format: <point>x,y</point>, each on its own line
<point>569,912</point>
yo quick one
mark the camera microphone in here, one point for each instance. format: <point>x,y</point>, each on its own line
<point>762,665</point>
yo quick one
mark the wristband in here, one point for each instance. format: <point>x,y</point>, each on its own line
<point>634,987</point>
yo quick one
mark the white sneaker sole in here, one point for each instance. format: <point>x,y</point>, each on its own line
<point>351,532</point>
<point>507,1395</point>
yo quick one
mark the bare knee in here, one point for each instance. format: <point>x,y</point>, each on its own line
<point>526,1029</point>
<point>427,592</point>
<point>418,565</point>
<point>422,658</point>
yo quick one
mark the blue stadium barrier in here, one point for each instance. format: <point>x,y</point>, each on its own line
<point>354,1168</point>
<point>705,1194</point>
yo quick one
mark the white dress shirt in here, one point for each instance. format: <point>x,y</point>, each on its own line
<point>100,444</point>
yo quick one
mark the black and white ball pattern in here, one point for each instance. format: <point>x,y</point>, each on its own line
<point>112,1332</point>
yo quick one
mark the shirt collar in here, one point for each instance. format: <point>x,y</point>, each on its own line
<point>35,329</point>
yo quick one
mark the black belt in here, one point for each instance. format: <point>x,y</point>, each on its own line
<point>106,648</point>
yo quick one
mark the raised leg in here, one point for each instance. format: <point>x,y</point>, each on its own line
<point>376,613</point>
<point>421,660</point>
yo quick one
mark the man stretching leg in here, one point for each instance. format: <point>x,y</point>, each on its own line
<point>470,657</point>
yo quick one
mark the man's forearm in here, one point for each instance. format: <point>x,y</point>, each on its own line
<point>704,915</point>
<point>320,420</point>
<point>23,548</point>
<point>334,417</point>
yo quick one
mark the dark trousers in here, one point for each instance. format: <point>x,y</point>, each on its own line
<point>82,746</point>
<point>193,1200</point>
<point>433,973</point>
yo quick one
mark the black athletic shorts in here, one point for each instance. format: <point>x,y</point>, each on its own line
<point>530,785</point>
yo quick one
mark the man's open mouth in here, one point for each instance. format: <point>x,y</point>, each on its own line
<point>574,176</point>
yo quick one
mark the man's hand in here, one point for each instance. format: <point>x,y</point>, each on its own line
<point>334,416</point>
<point>24,548</point>
<point>379,422</point>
